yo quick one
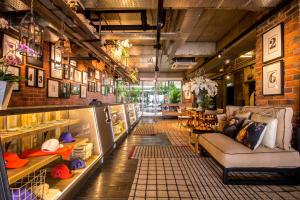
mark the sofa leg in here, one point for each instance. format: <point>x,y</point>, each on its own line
<point>225,176</point>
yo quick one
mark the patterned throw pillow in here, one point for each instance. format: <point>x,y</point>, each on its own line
<point>233,126</point>
<point>251,134</point>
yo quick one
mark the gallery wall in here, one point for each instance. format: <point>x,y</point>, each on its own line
<point>34,96</point>
<point>290,19</point>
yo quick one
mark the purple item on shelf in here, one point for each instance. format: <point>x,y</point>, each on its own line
<point>22,194</point>
<point>77,163</point>
<point>66,137</point>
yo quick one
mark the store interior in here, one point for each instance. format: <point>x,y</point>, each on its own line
<point>149,99</point>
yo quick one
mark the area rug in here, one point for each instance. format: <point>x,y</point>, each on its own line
<point>144,129</point>
<point>196,178</point>
<point>139,152</point>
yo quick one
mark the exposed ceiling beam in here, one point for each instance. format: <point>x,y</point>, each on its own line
<point>190,20</point>
<point>138,35</point>
<point>196,49</point>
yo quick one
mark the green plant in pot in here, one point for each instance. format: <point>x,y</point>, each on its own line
<point>175,94</point>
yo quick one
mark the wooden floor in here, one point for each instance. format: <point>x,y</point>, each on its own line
<point>113,181</point>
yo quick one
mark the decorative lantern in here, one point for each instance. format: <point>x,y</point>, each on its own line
<point>63,47</point>
<point>31,34</point>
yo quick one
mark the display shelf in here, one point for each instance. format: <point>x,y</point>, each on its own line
<point>36,163</point>
<point>64,184</point>
<point>11,135</point>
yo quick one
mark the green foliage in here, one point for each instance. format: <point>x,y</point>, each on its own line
<point>174,93</point>
<point>135,94</point>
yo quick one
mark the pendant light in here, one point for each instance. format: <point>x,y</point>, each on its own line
<point>31,34</point>
<point>62,47</point>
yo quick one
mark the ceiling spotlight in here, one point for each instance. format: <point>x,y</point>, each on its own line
<point>221,69</point>
<point>219,55</point>
<point>227,77</point>
<point>227,61</point>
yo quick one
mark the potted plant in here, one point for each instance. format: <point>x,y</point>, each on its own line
<point>204,88</point>
<point>6,79</point>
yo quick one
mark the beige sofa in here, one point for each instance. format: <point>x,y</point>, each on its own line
<point>234,156</point>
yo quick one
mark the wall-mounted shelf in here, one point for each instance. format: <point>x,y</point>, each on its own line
<point>36,163</point>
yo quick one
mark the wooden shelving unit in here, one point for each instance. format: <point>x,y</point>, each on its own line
<point>12,135</point>
<point>36,163</point>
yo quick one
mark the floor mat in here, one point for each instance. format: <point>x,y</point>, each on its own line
<point>196,178</point>
<point>144,129</point>
<point>162,152</point>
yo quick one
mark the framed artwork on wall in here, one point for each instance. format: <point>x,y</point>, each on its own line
<point>84,77</point>
<point>56,54</point>
<point>97,74</point>
<point>273,44</point>
<point>40,78</point>
<point>98,86</point>
<point>89,86</point>
<point>77,76</point>
<point>91,73</point>
<point>273,79</point>
<point>30,76</point>
<point>73,63</point>
<point>66,72</point>
<point>35,61</point>
<point>83,92</point>
<point>64,90</point>
<point>103,90</point>
<point>93,87</point>
<point>15,71</point>
<point>75,89</point>
<point>71,73</point>
<point>55,71</point>
<point>53,88</point>
<point>9,46</point>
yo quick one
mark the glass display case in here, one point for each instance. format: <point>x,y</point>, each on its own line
<point>118,120</point>
<point>138,110</point>
<point>131,114</point>
<point>39,140</point>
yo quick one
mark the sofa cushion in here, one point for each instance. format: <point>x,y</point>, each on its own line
<point>269,139</point>
<point>284,116</point>
<point>245,115</point>
<point>230,153</point>
<point>232,110</point>
<point>251,134</point>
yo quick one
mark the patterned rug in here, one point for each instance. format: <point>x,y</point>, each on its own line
<point>196,178</point>
<point>144,129</point>
<point>162,152</point>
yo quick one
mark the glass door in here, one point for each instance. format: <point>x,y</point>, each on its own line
<point>150,100</point>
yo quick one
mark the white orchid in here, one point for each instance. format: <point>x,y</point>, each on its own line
<point>201,84</point>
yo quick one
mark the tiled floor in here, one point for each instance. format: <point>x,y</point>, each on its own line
<point>161,166</point>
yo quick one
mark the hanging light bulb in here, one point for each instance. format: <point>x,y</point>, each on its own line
<point>31,35</point>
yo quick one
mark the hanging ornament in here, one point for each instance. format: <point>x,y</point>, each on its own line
<point>31,35</point>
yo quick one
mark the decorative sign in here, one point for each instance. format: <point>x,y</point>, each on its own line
<point>273,79</point>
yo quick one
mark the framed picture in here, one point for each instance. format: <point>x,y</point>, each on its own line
<point>77,76</point>
<point>75,89</point>
<point>30,76</point>
<point>93,87</point>
<point>15,71</point>
<point>273,79</point>
<point>71,73</point>
<point>84,77</point>
<point>97,74</point>
<point>40,78</point>
<point>83,91</point>
<point>73,63</point>
<point>91,73</point>
<point>103,79</point>
<point>9,46</point>
<point>98,86</point>
<point>103,90</point>
<point>56,55</point>
<point>64,90</point>
<point>273,45</point>
<point>53,88</point>
<point>56,71</point>
<point>89,86</point>
<point>66,72</point>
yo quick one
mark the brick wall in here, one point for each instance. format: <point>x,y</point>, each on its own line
<point>290,17</point>
<point>33,96</point>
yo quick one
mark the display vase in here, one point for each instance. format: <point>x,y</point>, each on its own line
<point>6,89</point>
<point>200,99</point>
